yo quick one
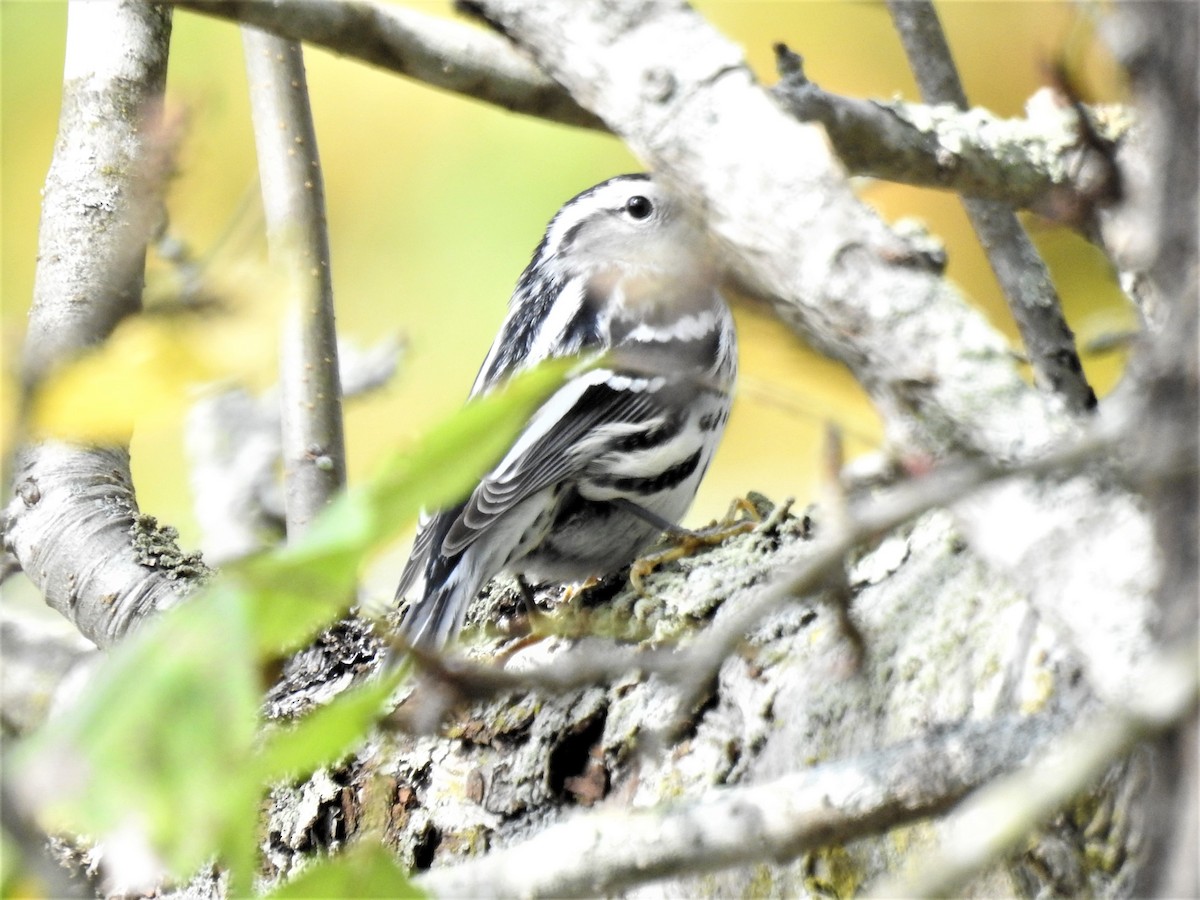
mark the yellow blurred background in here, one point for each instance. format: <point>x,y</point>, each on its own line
<point>435,203</point>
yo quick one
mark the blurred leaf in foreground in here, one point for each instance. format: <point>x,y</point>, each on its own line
<point>157,744</point>
<point>440,469</point>
<point>162,749</point>
<point>365,870</point>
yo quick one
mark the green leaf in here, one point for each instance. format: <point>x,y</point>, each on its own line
<point>305,585</point>
<point>365,870</point>
<point>159,741</point>
<point>164,738</point>
<point>327,734</point>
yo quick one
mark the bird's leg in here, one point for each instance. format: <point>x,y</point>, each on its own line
<point>536,618</point>
<point>541,624</point>
<point>686,540</point>
<point>527,598</point>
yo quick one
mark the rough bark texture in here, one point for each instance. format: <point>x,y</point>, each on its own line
<point>1043,162</point>
<point>951,650</point>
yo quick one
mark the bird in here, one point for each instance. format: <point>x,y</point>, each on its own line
<point>625,279</point>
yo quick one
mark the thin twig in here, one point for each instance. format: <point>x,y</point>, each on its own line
<point>1020,270</point>
<point>314,454</point>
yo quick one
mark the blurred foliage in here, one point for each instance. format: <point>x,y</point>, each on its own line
<point>366,870</point>
<point>435,203</point>
<point>150,367</point>
<point>164,748</point>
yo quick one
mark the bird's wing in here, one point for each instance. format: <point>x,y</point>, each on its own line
<point>418,558</point>
<point>579,422</point>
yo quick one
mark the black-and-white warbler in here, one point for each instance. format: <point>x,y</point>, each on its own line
<point>613,458</point>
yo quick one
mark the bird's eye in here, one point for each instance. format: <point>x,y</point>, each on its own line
<point>639,207</point>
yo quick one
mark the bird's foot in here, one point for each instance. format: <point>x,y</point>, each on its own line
<point>688,541</point>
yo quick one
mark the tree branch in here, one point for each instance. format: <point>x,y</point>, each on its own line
<point>1018,267</point>
<point>1000,817</point>
<point>313,448</point>
<point>444,54</point>
<point>36,657</point>
<point>1040,163</point>
<point>663,80</point>
<point>692,666</point>
<point>73,521</point>
<point>1158,233</point>
<point>775,821</point>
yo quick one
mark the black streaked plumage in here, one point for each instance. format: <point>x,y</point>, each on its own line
<point>624,271</point>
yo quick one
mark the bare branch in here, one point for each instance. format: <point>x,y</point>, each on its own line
<point>1158,233</point>
<point>73,521</point>
<point>103,190</point>
<point>314,453</point>
<point>775,821</point>
<point>1022,274</point>
<point>1042,162</point>
<point>444,54</point>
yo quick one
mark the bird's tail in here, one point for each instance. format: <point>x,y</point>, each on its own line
<point>435,618</point>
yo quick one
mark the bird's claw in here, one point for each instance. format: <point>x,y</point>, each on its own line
<point>688,541</point>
